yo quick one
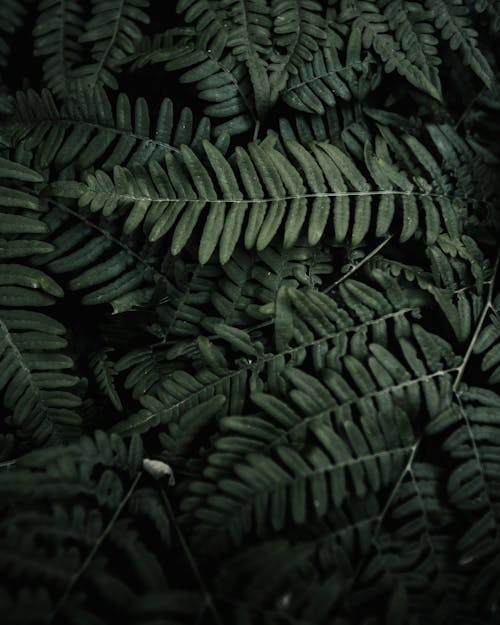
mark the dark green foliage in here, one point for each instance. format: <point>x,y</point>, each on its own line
<point>249,312</point>
<point>56,39</point>
<point>77,136</point>
<point>111,32</point>
<point>10,21</point>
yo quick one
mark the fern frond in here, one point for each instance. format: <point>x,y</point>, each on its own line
<point>314,327</point>
<point>178,321</point>
<point>249,288</point>
<point>341,424</point>
<point>488,345</point>
<point>242,27</point>
<point>210,20</point>
<point>294,27</point>
<point>38,394</point>
<point>36,390</point>
<point>415,556</point>
<point>16,216</point>
<point>183,398</point>
<point>471,429</point>
<point>474,174</point>
<point>411,25</point>
<point>14,224</point>
<point>250,41</point>
<point>370,28</point>
<point>56,35</point>
<point>452,18</point>
<point>459,295</point>
<point>89,132</point>
<point>219,77</point>
<point>146,368</point>
<point>113,30</point>
<point>308,128</point>
<point>318,562</point>
<point>74,536</point>
<point>330,77</point>
<point>188,291</point>
<point>104,371</point>
<point>461,308</point>
<point>107,269</point>
<point>107,453</point>
<point>300,28</point>
<point>323,184</point>
<point>272,486</point>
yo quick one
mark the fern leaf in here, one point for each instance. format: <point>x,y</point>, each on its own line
<point>112,30</point>
<point>326,79</point>
<point>182,394</point>
<point>220,79</point>
<point>488,344</point>
<point>210,21</point>
<point>474,423</point>
<point>80,538</point>
<point>31,344</point>
<point>250,41</point>
<point>104,372</point>
<point>56,34</point>
<point>299,29</point>
<point>82,250</point>
<point>371,27</point>
<point>273,483</point>
<point>410,23</point>
<point>323,183</point>
<point>88,131</point>
<point>36,388</point>
<point>452,19</point>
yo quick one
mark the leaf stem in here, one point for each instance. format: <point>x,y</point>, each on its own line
<point>86,563</point>
<point>356,267</point>
<point>192,561</point>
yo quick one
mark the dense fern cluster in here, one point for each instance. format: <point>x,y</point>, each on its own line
<point>249,312</point>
